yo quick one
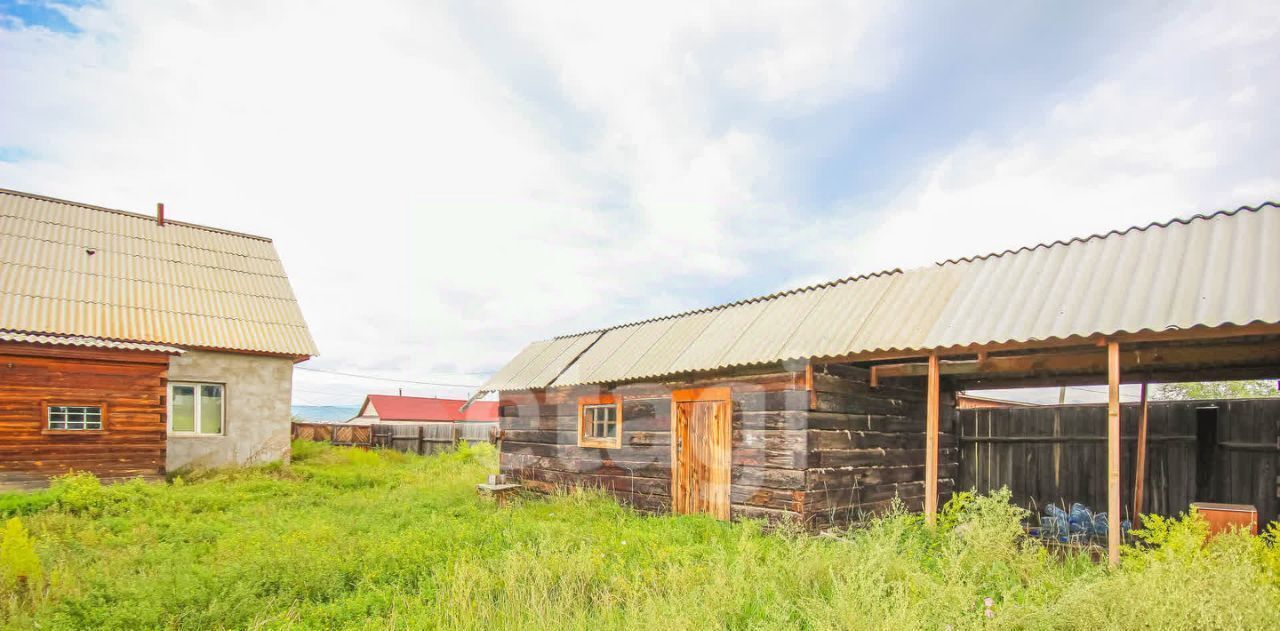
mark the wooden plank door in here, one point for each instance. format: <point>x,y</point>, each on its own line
<point>701,449</point>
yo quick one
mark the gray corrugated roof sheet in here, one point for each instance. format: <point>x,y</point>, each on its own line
<point>86,342</point>
<point>1205,271</point>
<point>74,269</point>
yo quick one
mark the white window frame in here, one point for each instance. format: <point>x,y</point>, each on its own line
<point>196,433</point>
<point>83,407</point>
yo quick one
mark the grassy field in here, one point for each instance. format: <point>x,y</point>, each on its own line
<point>353,539</point>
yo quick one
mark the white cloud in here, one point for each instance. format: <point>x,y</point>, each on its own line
<point>446,183</point>
<point>1178,122</point>
<point>430,217</point>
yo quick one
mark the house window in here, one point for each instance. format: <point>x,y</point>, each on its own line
<point>196,408</point>
<point>599,422</point>
<point>75,417</point>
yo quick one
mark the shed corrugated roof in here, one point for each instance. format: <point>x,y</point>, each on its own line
<point>74,269</point>
<point>1204,271</point>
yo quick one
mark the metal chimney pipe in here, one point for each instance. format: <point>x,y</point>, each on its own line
<point>160,213</point>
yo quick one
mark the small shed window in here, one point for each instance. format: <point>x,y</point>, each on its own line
<point>599,422</point>
<point>196,408</point>
<point>75,417</point>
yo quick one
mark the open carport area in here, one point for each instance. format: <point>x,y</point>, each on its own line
<point>1208,452</point>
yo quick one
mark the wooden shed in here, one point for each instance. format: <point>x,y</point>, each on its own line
<point>827,402</point>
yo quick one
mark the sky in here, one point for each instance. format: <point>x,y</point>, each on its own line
<point>449,181</point>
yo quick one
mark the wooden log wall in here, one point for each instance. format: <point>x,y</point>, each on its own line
<point>827,455</point>
<point>1057,454</point>
<point>539,443</point>
<point>866,447</point>
<point>129,385</point>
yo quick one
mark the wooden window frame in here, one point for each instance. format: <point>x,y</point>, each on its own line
<point>586,440</point>
<point>196,433</point>
<point>55,403</point>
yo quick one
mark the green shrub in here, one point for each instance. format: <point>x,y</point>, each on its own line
<point>26,502</point>
<point>79,492</point>
<point>304,450</point>
<point>20,569</point>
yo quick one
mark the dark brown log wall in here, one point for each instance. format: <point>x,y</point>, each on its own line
<point>827,456</point>
<point>129,385</point>
<point>866,446</point>
<point>539,443</point>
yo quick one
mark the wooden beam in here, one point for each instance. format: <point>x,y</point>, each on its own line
<point>1113,453</point>
<point>932,415</point>
<point>1092,361</point>
<point>1140,467</point>
<point>1208,373</point>
<point>1176,335</point>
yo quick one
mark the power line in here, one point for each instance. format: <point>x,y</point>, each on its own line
<point>377,378</point>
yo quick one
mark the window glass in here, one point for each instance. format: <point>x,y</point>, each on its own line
<point>210,409</point>
<point>75,417</point>
<point>183,414</point>
<point>196,408</point>
<point>602,421</point>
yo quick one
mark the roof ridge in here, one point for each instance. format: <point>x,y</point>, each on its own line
<point>1117,232</point>
<point>134,215</point>
<point>409,396</point>
<point>776,294</point>
<point>70,226</point>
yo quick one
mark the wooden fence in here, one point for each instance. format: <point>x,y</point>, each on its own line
<point>1218,451</point>
<point>419,438</point>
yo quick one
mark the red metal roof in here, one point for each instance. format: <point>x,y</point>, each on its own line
<point>393,408</point>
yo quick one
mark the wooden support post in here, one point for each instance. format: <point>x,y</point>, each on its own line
<point>1113,453</point>
<point>1140,467</point>
<point>808,384</point>
<point>932,414</point>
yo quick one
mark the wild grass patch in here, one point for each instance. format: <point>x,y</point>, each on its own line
<point>345,538</point>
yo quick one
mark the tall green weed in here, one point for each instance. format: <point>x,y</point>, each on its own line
<point>349,538</point>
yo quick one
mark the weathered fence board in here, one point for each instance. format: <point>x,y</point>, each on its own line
<point>1222,451</point>
<point>419,438</point>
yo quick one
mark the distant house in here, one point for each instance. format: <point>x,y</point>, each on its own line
<point>966,401</point>
<point>382,408</point>
<point>133,346</point>
<point>429,416</point>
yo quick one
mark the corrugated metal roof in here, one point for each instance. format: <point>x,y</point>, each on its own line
<point>1208,270</point>
<point>87,342</point>
<point>74,269</point>
<point>427,409</point>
